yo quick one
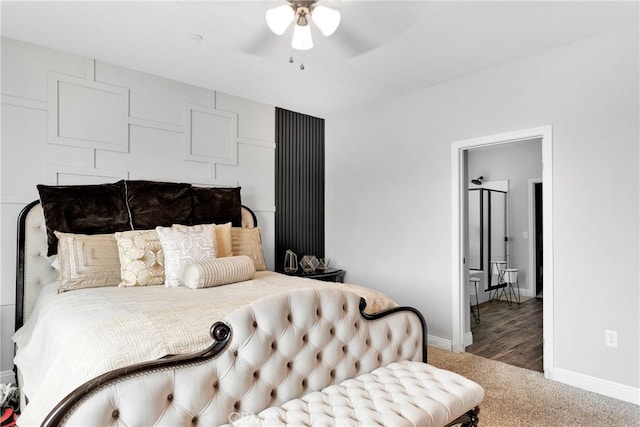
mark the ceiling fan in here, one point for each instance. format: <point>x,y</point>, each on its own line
<point>279,18</point>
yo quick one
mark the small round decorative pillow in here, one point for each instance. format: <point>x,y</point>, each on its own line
<point>218,271</point>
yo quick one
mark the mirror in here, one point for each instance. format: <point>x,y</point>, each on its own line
<point>487,228</point>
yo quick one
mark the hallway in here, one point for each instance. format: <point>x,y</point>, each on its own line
<point>512,335</point>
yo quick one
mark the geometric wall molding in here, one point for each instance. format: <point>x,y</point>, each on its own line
<point>211,135</point>
<point>257,142</point>
<point>71,175</point>
<point>33,104</point>
<point>169,127</point>
<point>84,113</point>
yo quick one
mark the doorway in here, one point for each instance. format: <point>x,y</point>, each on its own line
<point>460,316</point>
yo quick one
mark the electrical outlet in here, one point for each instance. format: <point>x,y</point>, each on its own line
<point>611,338</point>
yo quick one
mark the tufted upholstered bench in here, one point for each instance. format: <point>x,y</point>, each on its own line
<point>404,393</point>
<point>306,357</point>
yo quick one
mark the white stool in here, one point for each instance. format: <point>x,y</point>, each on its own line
<point>497,271</point>
<point>476,312</point>
<point>510,277</point>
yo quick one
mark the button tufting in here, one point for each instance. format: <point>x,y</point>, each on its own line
<point>304,383</point>
<point>235,353</point>
<point>215,385</point>
<point>274,345</point>
<point>367,342</point>
<point>236,405</point>
<point>344,348</point>
<point>194,420</point>
<point>332,374</point>
<point>255,324</point>
<point>332,331</point>
<point>304,338</point>
<point>317,312</point>
<point>319,356</point>
<point>115,414</point>
<point>256,374</point>
<point>289,317</point>
<point>289,365</point>
<point>273,393</point>
<point>170,397</point>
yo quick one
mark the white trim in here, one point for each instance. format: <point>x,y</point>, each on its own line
<point>597,385</point>
<point>55,171</point>
<point>120,115</point>
<point>457,238</point>
<point>438,342</point>
<point>153,124</point>
<point>468,339</point>
<point>257,142</point>
<point>229,140</point>
<point>34,104</point>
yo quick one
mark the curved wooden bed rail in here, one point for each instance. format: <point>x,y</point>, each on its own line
<point>389,311</point>
<point>220,332</point>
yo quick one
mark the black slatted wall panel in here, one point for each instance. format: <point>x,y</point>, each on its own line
<point>299,185</point>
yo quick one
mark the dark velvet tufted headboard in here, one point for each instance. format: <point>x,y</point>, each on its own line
<point>74,209</point>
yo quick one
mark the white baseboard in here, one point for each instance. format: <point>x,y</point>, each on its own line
<point>597,385</point>
<point>467,340</point>
<point>446,344</point>
<point>438,342</point>
<point>7,377</point>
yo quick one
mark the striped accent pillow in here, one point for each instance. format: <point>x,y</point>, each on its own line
<point>218,271</point>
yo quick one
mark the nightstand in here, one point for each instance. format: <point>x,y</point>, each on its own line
<point>329,275</point>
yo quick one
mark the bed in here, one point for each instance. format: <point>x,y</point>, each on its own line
<point>71,330</point>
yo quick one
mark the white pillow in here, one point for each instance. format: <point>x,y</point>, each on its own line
<point>220,271</point>
<point>182,245</point>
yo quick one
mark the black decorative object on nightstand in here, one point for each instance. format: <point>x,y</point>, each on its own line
<point>329,275</point>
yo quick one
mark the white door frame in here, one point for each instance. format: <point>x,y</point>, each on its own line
<point>458,237</point>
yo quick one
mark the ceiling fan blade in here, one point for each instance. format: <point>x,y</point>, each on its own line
<point>351,41</point>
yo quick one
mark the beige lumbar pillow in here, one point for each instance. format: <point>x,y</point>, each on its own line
<point>219,271</point>
<point>247,241</point>
<point>223,240</point>
<point>87,261</point>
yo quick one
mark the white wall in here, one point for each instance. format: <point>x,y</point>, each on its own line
<point>515,162</point>
<point>388,197</point>
<point>129,125</point>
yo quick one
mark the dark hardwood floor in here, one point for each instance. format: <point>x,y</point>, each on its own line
<point>510,334</point>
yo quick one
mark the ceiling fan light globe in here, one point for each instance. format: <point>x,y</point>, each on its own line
<point>326,19</point>
<point>279,18</point>
<point>301,38</point>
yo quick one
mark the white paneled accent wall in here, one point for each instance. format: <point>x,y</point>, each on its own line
<point>73,120</point>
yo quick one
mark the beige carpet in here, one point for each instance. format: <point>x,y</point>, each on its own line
<point>519,397</point>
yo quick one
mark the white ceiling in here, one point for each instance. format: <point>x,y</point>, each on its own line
<point>382,49</point>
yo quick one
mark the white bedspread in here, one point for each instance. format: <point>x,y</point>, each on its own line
<point>78,335</point>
